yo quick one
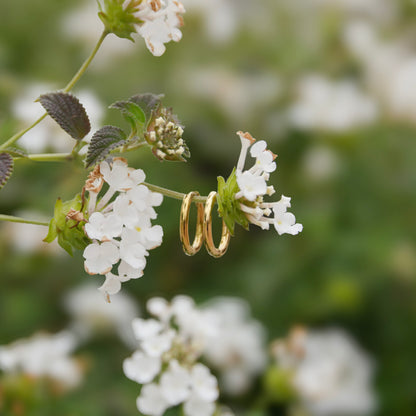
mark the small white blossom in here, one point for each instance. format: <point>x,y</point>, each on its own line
<point>141,368</point>
<point>161,22</point>
<point>169,350</point>
<point>121,221</point>
<point>43,356</point>
<point>253,187</point>
<point>103,228</point>
<point>175,383</point>
<point>151,401</point>
<point>99,258</point>
<point>331,374</point>
<point>90,315</point>
<point>237,349</point>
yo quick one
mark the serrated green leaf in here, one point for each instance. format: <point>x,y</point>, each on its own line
<point>68,112</point>
<point>148,102</point>
<point>132,113</point>
<point>6,168</point>
<point>103,142</point>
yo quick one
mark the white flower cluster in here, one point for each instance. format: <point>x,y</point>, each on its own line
<point>161,21</point>
<point>43,356</point>
<point>331,374</point>
<point>332,106</point>
<point>166,362</point>
<point>253,186</point>
<point>237,348</point>
<point>121,229</point>
<point>91,316</point>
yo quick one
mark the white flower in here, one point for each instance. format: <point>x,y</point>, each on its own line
<point>157,345</point>
<point>99,258</point>
<point>237,349</point>
<point>161,22</point>
<point>252,184</point>
<point>132,250</point>
<point>127,272</point>
<point>195,406</point>
<point>174,343</point>
<point>151,401</point>
<point>204,384</point>
<point>144,200</point>
<point>141,368</point>
<point>285,222</point>
<point>331,374</point>
<point>90,315</point>
<point>103,228</point>
<point>175,383</point>
<point>125,211</point>
<point>43,356</point>
<point>333,106</point>
<point>122,219</point>
<point>146,328</point>
<point>111,285</point>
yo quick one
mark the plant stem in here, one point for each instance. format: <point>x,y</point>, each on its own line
<point>173,194</point>
<point>10,218</point>
<point>68,87</point>
<point>48,157</point>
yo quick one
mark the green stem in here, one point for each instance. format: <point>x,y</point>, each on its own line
<point>173,194</point>
<point>22,220</point>
<point>48,157</point>
<point>68,87</point>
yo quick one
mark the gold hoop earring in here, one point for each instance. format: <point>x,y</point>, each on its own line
<point>189,249</point>
<point>225,234</point>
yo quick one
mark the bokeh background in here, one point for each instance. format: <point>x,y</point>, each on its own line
<point>331,86</point>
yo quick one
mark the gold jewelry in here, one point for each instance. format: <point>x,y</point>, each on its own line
<point>225,235</point>
<point>189,249</point>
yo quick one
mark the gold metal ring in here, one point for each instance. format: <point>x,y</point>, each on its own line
<point>225,235</point>
<point>189,249</point>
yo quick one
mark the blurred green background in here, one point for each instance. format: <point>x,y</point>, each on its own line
<point>352,188</point>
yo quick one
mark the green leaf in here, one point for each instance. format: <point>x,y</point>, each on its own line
<point>149,103</point>
<point>70,233</point>
<point>52,232</point>
<point>6,168</point>
<point>132,113</point>
<point>68,112</point>
<point>103,142</point>
<point>228,207</point>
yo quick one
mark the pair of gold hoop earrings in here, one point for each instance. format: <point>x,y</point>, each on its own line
<point>203,233</point>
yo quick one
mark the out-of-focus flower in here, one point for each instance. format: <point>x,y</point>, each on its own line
<point>47,134</point>
<point>167,360</point>
<point>43,356</point>
<point>333,106</point>
<point>90,315</point>
<point>230,91</point>
<point>321,163</point>
<point>379,10</point>
<point>389,68</point>
<point>237,349</point>
<point>330,373</point>
<point>121,230</point>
